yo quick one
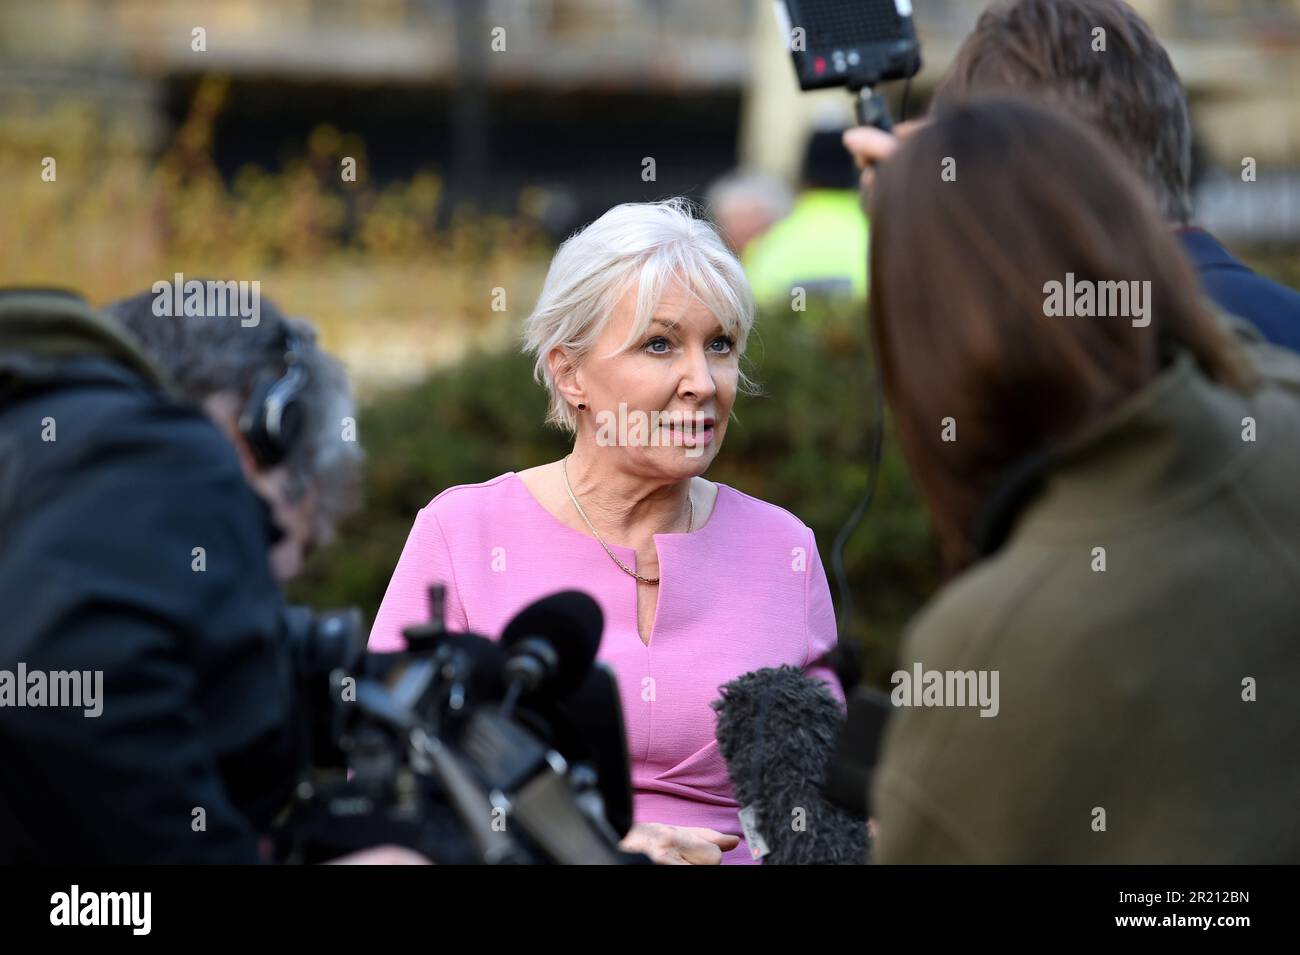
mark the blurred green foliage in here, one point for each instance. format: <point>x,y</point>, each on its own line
<point>802,444</point>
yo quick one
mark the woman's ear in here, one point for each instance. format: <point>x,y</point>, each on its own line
<point>565,374</point>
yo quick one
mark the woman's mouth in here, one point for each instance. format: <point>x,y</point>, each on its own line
<point>691,433</point>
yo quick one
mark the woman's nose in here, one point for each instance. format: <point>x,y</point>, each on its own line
<point>697,378</point>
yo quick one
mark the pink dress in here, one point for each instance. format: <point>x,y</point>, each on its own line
<point>747,590</point>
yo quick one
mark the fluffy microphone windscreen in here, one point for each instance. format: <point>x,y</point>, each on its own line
<point>777,730</point>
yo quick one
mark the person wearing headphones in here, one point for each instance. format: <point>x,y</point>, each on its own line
<point>137,556</point>
<point>281,400</point>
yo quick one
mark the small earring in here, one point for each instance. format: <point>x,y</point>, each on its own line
<point>581,406</point>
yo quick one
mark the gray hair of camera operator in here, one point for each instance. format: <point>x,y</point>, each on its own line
<point>205,355</point>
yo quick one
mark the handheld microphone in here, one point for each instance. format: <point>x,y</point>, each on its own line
<point>777,730</point>
<point>551,644</point>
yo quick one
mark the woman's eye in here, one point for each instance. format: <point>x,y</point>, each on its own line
<point>654,342</point>
<point>726,344</point>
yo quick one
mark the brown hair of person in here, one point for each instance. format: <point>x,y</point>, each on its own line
<point>972,218</point>
<point>1098,61</point>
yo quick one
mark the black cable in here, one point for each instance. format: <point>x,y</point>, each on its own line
<point>874,452</point>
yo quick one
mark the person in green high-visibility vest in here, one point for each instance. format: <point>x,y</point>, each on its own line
<point>821,246</point>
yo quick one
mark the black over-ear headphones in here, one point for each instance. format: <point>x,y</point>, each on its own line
<point>272,419</point>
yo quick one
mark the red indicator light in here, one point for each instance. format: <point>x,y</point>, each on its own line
<point>819,65</point>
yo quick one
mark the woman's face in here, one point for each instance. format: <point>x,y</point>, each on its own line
<point>676,385</point>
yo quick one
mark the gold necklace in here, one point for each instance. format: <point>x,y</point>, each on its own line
<point>690,522</point>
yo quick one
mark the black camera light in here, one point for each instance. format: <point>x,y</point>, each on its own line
<point>857,44</point>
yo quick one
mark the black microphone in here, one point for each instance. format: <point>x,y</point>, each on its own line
<point>551,644</point>
<point>777,730</point>
<point>551,648</point>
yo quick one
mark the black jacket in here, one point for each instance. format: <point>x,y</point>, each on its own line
<point>192,753</point>
<point>1270,306</point>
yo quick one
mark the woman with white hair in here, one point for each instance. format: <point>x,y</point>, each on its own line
<point>638,336</point>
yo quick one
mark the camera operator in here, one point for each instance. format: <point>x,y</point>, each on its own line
<point>137,557</point>
<point>309,477</point>
<point>1130,93</point>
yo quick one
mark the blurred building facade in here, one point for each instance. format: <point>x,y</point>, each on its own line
<point>573,95</point>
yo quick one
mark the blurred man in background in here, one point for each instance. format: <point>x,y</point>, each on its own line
<point>745,205</point>
<point>821,246</point>
<point>1131,94</point>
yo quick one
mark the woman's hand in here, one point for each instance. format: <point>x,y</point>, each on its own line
<point>678,845</point>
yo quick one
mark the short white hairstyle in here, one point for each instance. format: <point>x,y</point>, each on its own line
<point>648,244</point>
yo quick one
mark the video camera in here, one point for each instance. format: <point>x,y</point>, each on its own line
<point>465,749</point>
